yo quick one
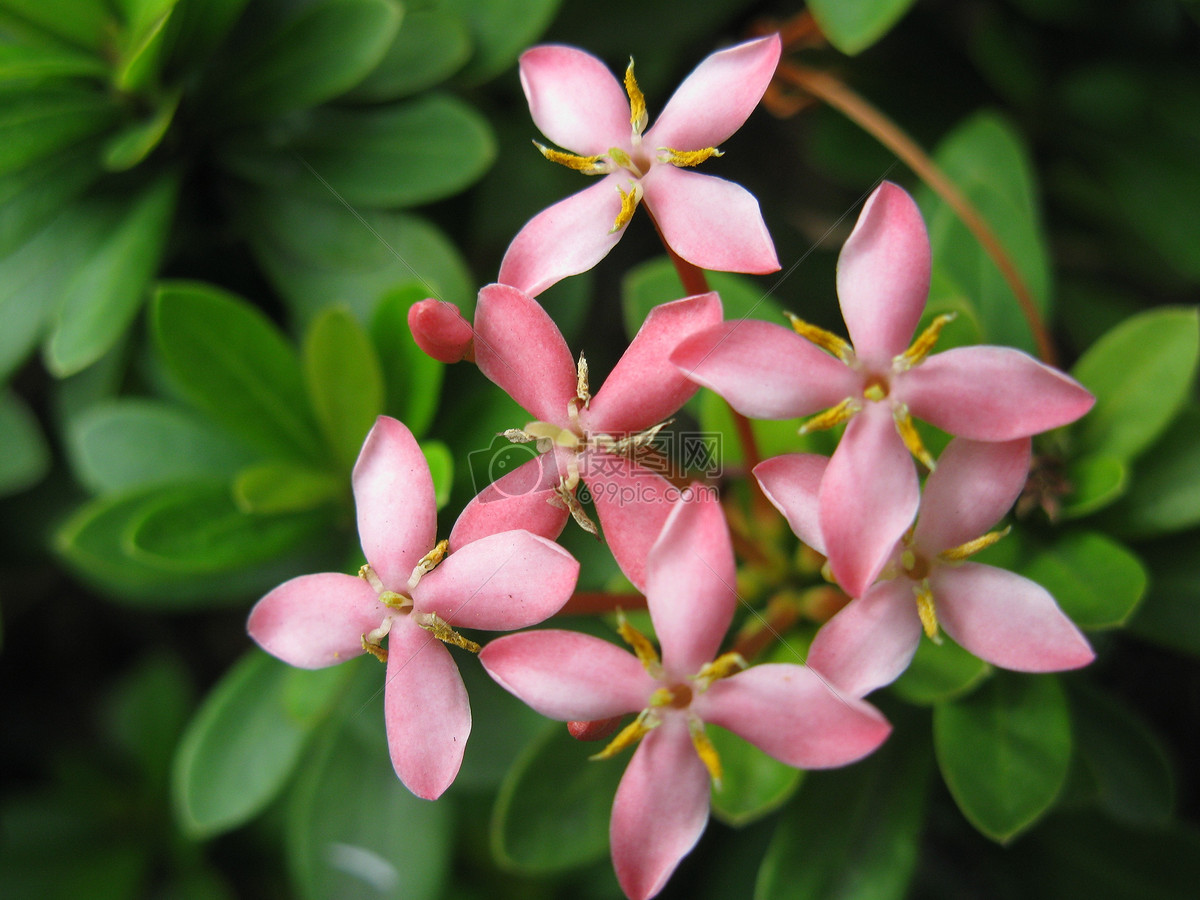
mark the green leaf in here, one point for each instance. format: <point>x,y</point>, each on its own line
<point>413,379</point>
<point>105,294</point>
<point>1170,614</point>
<point>753,784</point>
<point>1164,492</point>
<point>1097,582</point>
<point>280,486</point>
<point>83,23</point>
<point>940,672</point>
<point>854,25</point>
<point>35,124</point>
<point>431,46</point>
<point>1141,373</point>
<point>244,742</point>
<point>32,198</point>
<point>1004,751</point>
<point>138,65</point>
<point>441,468</point>
<point>133,143</point>
<point>26,456</point>
<point>233,363</point>
<point>986,158</point>
<point>29,61</point>
<point>148,711</point>
<point>194,30</point>
<point>852,833</point>
<point>500,30</point>
<point>551,791</point>
<point>345,382</point>
<point>1096,481</point>
<point>405,154</point>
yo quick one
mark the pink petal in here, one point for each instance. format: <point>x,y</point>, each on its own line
<point>868,498</point>
<point>992,394</point>
<point>520,499</point>
<point>717,97</point>
<point>643,388</point>
<point>440,330</point>
<point>789,712</point>
<point>502,582</point>
<point>974,485</point>
<point>710,222</point>
<point>792,483</point>
<point>518,346</point>
<point>393,494</point>
<point>1006,619</point>
<point>568,676</point>
<point>574,99</point>
<point>426,710</point>
<point>870,642</point>
<point>316,620</point>
<point>660,810</point>
<point>765,371</point>
<point>883,275</point>
<point>632,504</point>
<point>690,579</point>
<point>564,239</point>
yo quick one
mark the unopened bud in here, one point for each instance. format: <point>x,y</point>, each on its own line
<point>593,731</point>
<point>441,331</point>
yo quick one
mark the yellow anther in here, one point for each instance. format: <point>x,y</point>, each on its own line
<point>367,574</point>
<point>638,117</point>
<point>564,498</point>
<point>392,600</point>
<point>581,381</point>
<point>705,750</point>
<point>662,697</point>
<point>629,201</point>
<point>924,343</point>
<point>428,563</point>
<point>588,165</point>
<point>440,629</point>
<point>722,667</point>
<point>629,735</point>
<point>688,158</point>
<point>927,612</point>
<point>970,548</point>
<point>640,644</point>
<point>826,340</point>
<point>622,159</point>
<point>908,434</point>
<point>376,650</point>
<point>833,416</point>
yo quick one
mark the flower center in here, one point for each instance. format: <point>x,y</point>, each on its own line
<point>875,388</point>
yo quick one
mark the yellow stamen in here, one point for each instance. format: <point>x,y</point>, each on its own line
<point>376,650</point>
<point>588,165</point>
<point>927,612</point>
<point>638,117</point>
<point>367,574</point>
<point>826,340</point>
<point>629,735</point>
<point>662,697</point>
<point>923,344</point>
<point>564,498</point>
<point>706,751</point>
<point>428,563</point>
<point>722,667</point>
<point>908,434</point>
<point>642,648</point>
<point>833,416</point>
<point>581,381</point>
<point>392,600</point>
<point>441,630</point>
<point>970,548</point>
<point>629,202</point>
<point>688,158</point>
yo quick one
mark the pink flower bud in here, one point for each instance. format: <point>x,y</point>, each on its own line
<point>441,331</point>
<point>593,731</point>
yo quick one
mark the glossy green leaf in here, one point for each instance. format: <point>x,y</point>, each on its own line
<point>345,381</point>
<point>854,25</point>
<point>32,198</point>
<point>138,66</point>
<point>431,45</point>
<point>413,379</point>
<point>1097,582</point>
<point>36,124</point>
<point>1164,492</point>
<point>753,784</point>
<point>133,143</point>
<point>500,30</point>
<point>281,486</point>
<point>244,742</point>
<point>940,672</point>
<point>554,790</point>
<point>1004,751</point>
<point>1096,481</point>
<point>852,833</point>
<point>235,365</point>
<point>107,291</point>
<point>26,456</point>
<point>1141,373</point>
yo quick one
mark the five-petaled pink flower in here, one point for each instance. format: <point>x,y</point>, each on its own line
<point>576,103</point>
<point>928,581</point>
<point>416,594</point>
<point>597,440</point>
<point>869,492</point>
<point>661,805</point>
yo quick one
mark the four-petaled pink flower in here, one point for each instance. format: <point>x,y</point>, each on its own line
<point>577,104</point>
<point>928,582</point>
<point>869,492</point>
<point>596,440</point>
<point>661,806</point>
<point>416,594</point>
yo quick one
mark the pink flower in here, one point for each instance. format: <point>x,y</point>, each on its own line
<point>577,104</point>
<point>869,493</point>
<point>416,594</point>
<point>440,330</point>
<point>596,440</point>
<point>928,583</point>
<point>661,806</point>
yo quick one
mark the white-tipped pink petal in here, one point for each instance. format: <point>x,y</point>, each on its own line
<point>500,583</point>
<point>974,485</point>
<point>632,504</point>
<point>564,239</point>
<point>316,620</point>
<point>644,388</point>
<point>1006,619</point>
<point>426,710</point>
<point>883,275</point>
<point>765,371</point>
<point>792,482</point>
<point>574,99</point>
<point>568,676</point>
<point>660,809</point>
<point>717,97</point>
<point>868,498</point>
<point>690,583</point>
<point>393,496</point>
<point>519,499</point>
<point>992,394</point>
<point>710,222</point>
<point>518,346</point>
<point>789,712</point>
<point>871,641</point>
